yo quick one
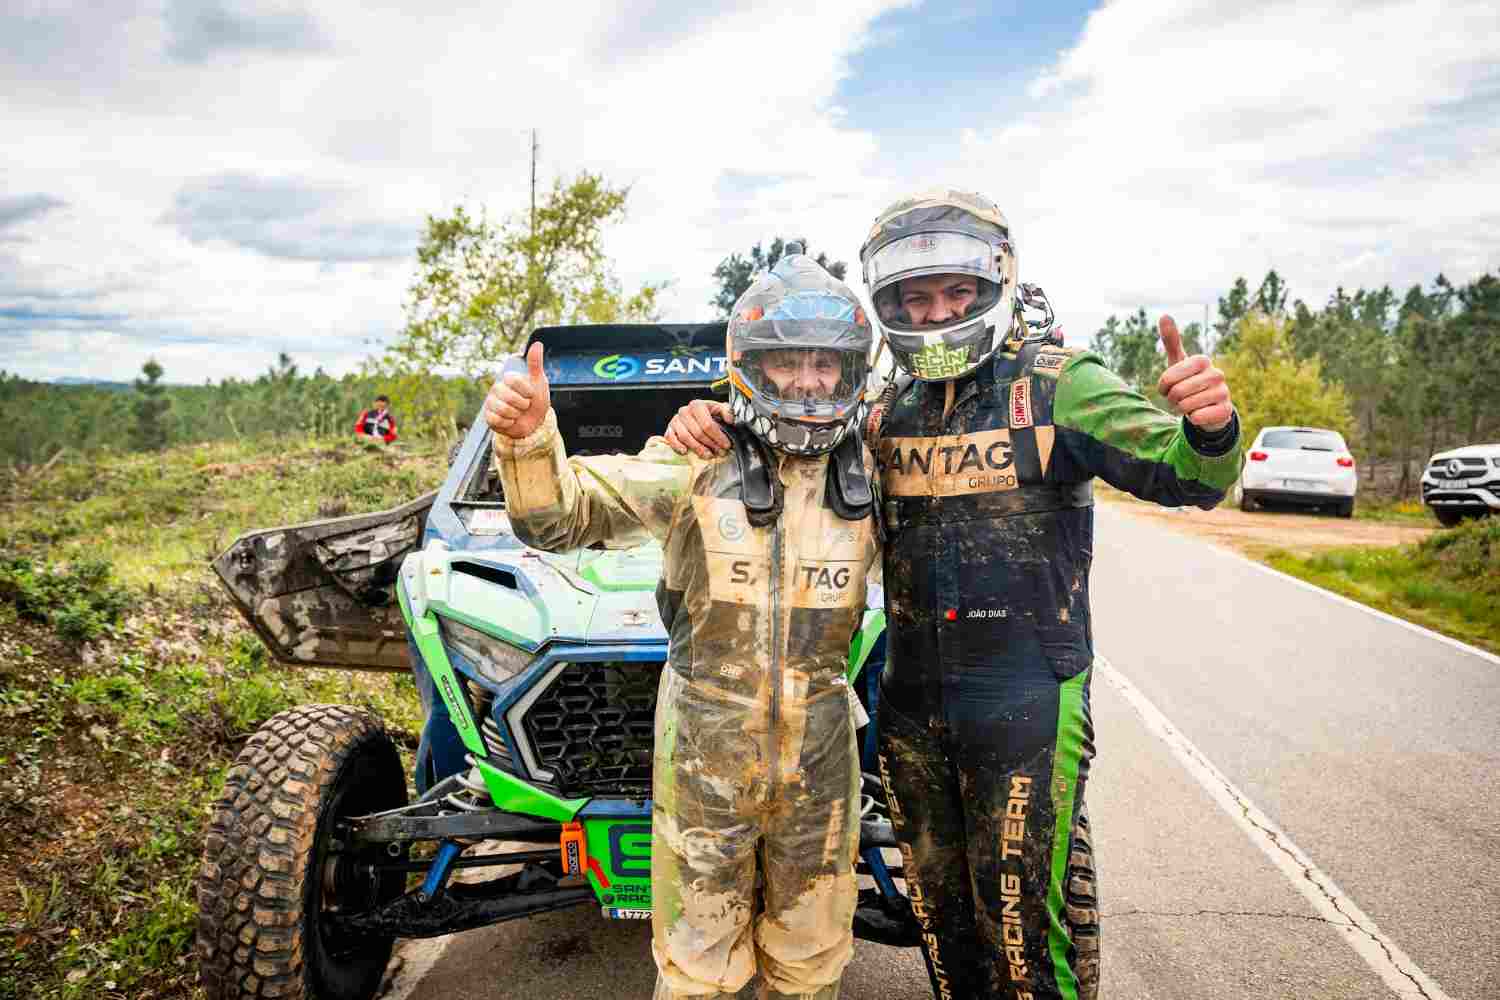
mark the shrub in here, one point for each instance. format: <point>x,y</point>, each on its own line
<point>78,600</point>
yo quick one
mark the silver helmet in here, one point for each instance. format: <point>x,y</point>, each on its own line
<point>799,352</point>
<point>914,248</point>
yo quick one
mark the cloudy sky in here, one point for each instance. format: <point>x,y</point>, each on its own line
<point>210,183</point>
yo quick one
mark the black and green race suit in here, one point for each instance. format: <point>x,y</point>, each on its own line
<point>985,734</point>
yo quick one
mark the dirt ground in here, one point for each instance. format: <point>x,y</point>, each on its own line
<point>1263,530</point>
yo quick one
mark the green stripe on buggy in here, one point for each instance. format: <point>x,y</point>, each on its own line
<point>514,795</point>
<point>864,641</point>
<point>424,632</point>
<point>509,792</point>
<point>1066,755</point>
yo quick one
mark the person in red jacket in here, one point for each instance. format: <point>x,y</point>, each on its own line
<point>377,422</point>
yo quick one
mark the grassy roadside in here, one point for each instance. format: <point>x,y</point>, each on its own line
<point>1449,582</point>
<point>128,683</point>
<point>1393,511</point>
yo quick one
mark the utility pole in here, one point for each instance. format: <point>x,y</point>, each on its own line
<point>533,183</point>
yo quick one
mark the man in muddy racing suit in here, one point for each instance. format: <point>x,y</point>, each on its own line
<point>987,441</point>
<point>765,553</point>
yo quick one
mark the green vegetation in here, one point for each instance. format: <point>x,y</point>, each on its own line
<point>150,407</point>
<point>1407,376</point>
<point>482,287</point>
<point>1449,582</point>
<point>128,683</point>
<point>44,422</point>
<point>1273,387</point>
<point>735,273</point>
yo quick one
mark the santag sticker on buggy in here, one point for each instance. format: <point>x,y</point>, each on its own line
<point>620,913</point>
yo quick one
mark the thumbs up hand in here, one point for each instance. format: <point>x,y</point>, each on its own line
<point>517,403</point>
<point>1193,385</point>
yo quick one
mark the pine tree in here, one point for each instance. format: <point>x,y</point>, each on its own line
<point>150,407</point>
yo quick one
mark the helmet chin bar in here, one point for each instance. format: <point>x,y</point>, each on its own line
<point>1031,297</point>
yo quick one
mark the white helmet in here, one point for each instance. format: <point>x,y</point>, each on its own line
<point>942,232</point>
<point>798,318</point>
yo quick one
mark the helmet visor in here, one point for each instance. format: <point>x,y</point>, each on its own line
<point>822,380</point>
<point>934,303</point>
<point>933,253</point>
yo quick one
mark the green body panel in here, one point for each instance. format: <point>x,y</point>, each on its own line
<point>864,641</point>
<point>1095,401</point>
<point>514,795</point>
<point>505,614</point>
<point>620,849</point>
<point>629,569</point>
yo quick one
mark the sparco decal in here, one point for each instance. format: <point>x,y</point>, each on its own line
<point>600,431</point>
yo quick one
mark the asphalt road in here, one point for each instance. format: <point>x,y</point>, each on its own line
<point>1321,820</point>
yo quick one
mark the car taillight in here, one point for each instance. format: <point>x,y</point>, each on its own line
<point>1346,462</point>
<point>1258,456</point>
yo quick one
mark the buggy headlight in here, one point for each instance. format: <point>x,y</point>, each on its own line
<point>497,660</point>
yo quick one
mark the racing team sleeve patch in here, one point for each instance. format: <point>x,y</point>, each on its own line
<point>1051,360</point>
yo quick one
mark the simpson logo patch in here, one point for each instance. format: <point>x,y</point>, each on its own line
<point>1050,361</point>
<point>947,466</point>
<point>1020,403</point>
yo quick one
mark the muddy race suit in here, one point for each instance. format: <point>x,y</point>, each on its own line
<point>755,754</point>
<point>985,734</point>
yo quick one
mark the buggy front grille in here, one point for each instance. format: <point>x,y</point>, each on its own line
<point>589,728</point>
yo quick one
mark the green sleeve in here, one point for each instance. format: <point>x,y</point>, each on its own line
<point>1111,431</point>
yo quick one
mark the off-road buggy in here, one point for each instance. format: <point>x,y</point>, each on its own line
<point>539,677</point>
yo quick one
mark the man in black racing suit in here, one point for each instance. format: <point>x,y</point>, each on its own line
<point>987,445</point>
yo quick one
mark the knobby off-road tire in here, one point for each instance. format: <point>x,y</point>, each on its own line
<point>266,879</point>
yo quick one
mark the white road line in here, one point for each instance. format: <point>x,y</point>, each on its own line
<point>1379,952</point>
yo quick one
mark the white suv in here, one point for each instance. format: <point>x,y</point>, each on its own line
<point>1464,481</point>
<point>1306,466</point>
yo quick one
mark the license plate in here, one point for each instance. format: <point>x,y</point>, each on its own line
<point>1304,484</point>
<point>619,913</point>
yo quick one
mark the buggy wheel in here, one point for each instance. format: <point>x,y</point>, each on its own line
<point>1247,502</point>
<point>273,863</point>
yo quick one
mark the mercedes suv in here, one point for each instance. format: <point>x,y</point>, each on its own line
<point>1463,482</point>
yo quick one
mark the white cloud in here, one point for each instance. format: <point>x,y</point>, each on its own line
<point>1178,145</point>
<point>230,179</point>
